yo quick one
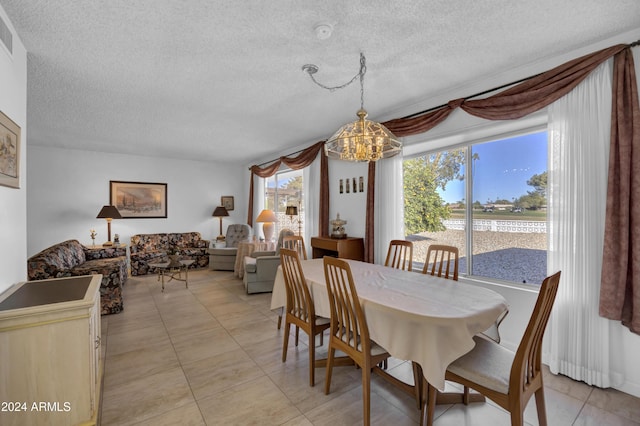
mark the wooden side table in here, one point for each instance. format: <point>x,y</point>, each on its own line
<point>345,248</point>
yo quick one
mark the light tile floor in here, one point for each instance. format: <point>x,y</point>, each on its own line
<point>211,355</point>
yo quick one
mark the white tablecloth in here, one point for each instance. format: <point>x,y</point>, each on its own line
<point>413,316</point>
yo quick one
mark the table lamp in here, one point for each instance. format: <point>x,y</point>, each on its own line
<point>109,212</point>
<point>220,212</point>
<point>267,217</point>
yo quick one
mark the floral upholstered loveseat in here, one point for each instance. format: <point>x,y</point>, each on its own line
<point>70,258</point>
<point>150,248</point>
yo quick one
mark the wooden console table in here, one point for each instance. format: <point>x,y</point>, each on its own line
<point>345,248</point>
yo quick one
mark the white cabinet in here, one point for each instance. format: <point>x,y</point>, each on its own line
<point>50,372</point>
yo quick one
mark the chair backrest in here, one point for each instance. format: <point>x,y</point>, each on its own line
<point>400,255</point>
<point>442,261</point>
<point>296,243</point>
<point>299,302</point>
<point>283,233</point>
<point>527,360</point>
<point>348,323</point>
<point>236,233</point>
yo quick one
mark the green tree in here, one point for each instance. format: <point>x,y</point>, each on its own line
<point>539,182</point>
<point>533,200</point>
<point>424,209</point>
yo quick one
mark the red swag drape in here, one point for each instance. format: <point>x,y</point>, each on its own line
<point>620,286</point>
<point>620,283</point>
<point>304,159</point>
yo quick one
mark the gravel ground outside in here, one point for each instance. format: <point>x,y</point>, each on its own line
<point>510,256</point>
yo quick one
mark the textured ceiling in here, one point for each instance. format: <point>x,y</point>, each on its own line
<point>222,80</point>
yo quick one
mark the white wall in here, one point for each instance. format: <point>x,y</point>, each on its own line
<point>350,206</point>
<point>67,188</point>
<point>13,202</point>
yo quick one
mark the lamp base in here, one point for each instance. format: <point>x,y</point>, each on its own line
<point>220,238</point>
<point>107,244</point>
<point>267,230</point>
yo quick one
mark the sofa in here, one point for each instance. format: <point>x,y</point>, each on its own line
<point>224,258</point>
<point>150,248</point>
<point>70,258</point>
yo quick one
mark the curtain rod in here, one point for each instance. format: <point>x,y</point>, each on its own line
<point>415,114</point>
<point>276,159</point>
<point>484,92</point>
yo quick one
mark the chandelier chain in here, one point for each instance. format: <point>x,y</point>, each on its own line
<point>312,69</point>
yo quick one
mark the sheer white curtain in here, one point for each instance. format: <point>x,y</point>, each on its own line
<point>389,205</point>
<point>258,204</point>
<point>311,183</point>
<point>579,135</point>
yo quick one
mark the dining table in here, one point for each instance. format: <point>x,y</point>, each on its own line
<point>418,317</point>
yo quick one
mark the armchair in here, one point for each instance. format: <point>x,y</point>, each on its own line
<point>260,268</point>
<point>224,258</point>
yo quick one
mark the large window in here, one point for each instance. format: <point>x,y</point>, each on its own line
<point>282,190</point>
<point>499,187</point>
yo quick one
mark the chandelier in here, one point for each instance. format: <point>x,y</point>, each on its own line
<point>361,140</point>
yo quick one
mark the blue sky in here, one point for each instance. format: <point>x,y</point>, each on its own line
<point>503,169</point>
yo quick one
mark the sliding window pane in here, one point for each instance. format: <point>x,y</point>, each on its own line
<point>510,209</point>
<point>434,202</point>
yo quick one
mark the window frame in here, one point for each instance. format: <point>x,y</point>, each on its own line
<point>488,132</point>
<point>301,209</point>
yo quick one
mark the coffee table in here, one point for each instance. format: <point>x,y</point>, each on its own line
<point>173,269</point>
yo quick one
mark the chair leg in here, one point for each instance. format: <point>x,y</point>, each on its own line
<point>541,407</point>
<point>429,407</point>
<point>417,382</point>
<point>517,416</point>
<point>465,395</point>
<point>327,380</point>
<point>312,356</point>
<point>279,321</point>
<point>285,343</point>
<point>297,334</point>
<point>366,394</point>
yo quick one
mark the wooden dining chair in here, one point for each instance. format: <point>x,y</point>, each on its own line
<point>442,261</point>
<point>300,310</point>
<point>349,332</point>
<point>400,255</point>
<point>485,369</point>
<point>295,242</point>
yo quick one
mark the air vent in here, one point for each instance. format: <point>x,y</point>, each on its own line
<point>6,36</point>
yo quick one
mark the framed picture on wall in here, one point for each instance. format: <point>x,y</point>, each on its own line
<point>139,200</point>
<point>227,202</point>
<point>9,152</point>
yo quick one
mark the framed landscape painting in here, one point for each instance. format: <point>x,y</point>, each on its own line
<point>9,152</point>
<point>139,200</point>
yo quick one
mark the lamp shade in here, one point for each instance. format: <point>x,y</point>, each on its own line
<point>109,212</point>
<point>220,211</point>
<point>266,216</point>
<point>292,211</point>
